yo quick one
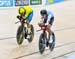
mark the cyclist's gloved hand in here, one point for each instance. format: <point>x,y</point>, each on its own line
<point>19,17</point>
<point>41,24</point>
<point>23,17</point>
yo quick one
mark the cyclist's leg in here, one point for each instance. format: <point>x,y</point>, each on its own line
<point>29,18</point>
<point>28,23</point>
<point>49,26</point>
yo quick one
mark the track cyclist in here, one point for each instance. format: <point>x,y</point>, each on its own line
<point>47,18</point>
<point>25,14</point>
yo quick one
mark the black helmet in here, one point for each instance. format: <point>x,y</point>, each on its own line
<point>42,12</point>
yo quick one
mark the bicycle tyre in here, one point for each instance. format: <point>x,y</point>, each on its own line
<point>52,45</point>
<point>19,35</point>
<point>41,44</point>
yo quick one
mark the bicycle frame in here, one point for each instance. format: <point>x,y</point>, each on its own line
<point>43,28</point>
<point>45,37</point>
<point>23,24</point>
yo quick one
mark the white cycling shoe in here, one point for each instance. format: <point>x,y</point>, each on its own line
<point>28,36</point>
<point>51,40</point>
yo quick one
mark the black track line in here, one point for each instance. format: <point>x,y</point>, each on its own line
<point>54,31</point>
<point>63,54</point>
<point>45,50</point>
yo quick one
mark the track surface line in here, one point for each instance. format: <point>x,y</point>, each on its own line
<point>45,50</point>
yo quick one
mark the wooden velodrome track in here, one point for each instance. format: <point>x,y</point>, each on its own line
<point>63,27</point>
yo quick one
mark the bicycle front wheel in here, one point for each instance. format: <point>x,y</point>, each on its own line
<point>20,36</point>
<point>42,39</point>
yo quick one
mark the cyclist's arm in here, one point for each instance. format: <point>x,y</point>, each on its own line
<point>21,18</point>
<point>41,23</point>
<point>26,15</point>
